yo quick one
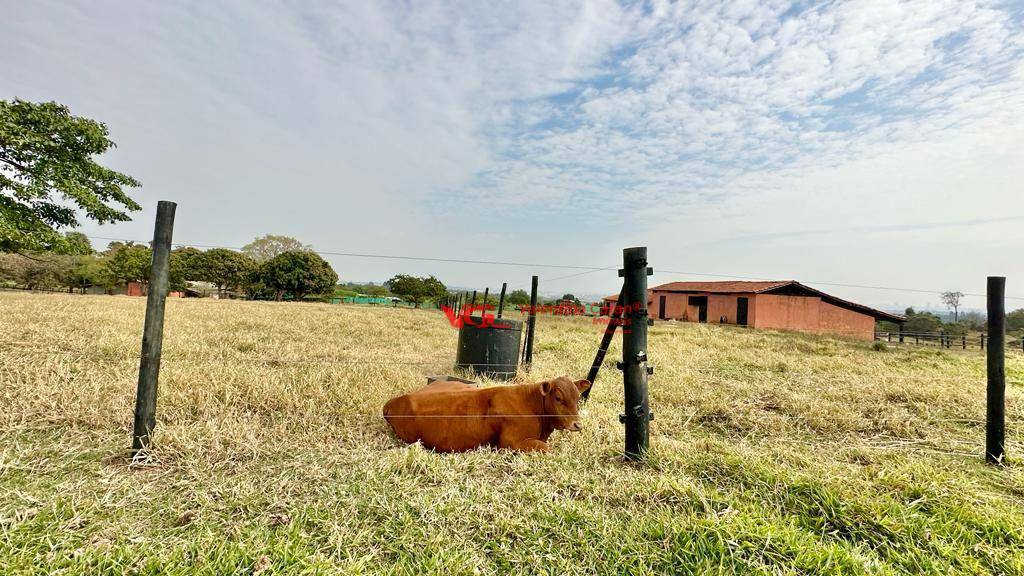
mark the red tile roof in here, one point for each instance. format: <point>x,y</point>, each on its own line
<point>724,287</point>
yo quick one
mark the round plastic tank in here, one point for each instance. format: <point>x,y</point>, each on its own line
<point>491,350</point>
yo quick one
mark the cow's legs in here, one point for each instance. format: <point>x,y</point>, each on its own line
<point>515,442</point>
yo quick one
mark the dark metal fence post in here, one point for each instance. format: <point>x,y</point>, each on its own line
<point>637,415</point>
<point>995,414</point>
<point>531,323</point>
<point>486,290</point>
<point>901,333</point>
<point>501,299</point>
<point>614,316</point>
<point>153,330</point>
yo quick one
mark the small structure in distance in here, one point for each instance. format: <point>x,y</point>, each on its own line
<point>781,304</point>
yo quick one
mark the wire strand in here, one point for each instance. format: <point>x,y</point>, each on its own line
<point>587,269</point>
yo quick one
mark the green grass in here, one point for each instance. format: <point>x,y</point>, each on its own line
<point>771,453</point>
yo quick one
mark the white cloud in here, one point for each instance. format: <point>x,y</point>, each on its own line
<point>385,127</point>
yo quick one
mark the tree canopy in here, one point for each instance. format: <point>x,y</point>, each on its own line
<point>223,268</point>
<point>128,262</point>
<point>297,274</point>
<point>47,174</point>
<point>186,265</point>
<point>416,289</point>
<point>1015,320</point>
<point>270,245</point>
<point>519,298</point>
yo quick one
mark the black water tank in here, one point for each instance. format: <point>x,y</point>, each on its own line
<point>491,350</point>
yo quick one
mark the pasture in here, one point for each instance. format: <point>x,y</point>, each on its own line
<point>771,452</point>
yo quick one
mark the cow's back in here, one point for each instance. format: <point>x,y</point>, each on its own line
<point>445,416</point>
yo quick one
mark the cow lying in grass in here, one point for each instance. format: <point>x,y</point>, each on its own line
<point>450,416</point>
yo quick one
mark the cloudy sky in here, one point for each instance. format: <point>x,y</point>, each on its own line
<point>867,142</point>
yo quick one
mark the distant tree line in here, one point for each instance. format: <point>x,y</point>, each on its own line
<point>964,323</point>
<point>278,271</point>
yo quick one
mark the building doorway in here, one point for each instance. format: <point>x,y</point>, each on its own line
<point>701,302</point>
<point>661,308</point>
<point>741,311</point>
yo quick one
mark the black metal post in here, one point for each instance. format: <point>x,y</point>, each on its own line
<point>964,342</point>
<point>531,323</point>
<point>501,300</point>
<point>486,290</point>
<point>901,333</point>
<point>614,316</point>
<point>472,305</point>
<point>995,414</point>
<point>153,329</point>
<point>889,336</point>
<point>637,415</point>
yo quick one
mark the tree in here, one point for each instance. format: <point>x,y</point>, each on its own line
<point>1015,320</point>
<point>519,298</point>
<point>298,274</point>
<point>186,264</point>
<point>266,247</point>
<point>975,321</point>
<point>47,174</point>
<point>37,271</point>
<point>83,272</point>
<point>922,322</point>
<point>570,298</point>
<point>223,268</point>
<point>416,289</point>
<point>128,263</point>
<point>952,301</point>
<point>76,244</point>
<point>10,268</point>
<point>434,289</point>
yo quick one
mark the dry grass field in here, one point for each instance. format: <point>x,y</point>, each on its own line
<point>771,453</point>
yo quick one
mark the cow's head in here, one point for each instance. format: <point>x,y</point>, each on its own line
<point>561,399</point>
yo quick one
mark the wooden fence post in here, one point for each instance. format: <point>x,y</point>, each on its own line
<point>995,414</point>
<point>153,330</point>
<point>637,416</point>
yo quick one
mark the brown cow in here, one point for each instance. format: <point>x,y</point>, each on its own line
<point>453,416</point>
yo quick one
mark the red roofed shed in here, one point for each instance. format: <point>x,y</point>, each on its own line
<point>782,304</point>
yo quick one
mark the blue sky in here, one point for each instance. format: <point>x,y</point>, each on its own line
<point>866,142</point>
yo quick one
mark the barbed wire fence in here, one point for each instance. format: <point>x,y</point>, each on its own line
<point>142,433</point>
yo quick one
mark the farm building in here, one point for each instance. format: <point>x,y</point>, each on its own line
<point>783,305</point>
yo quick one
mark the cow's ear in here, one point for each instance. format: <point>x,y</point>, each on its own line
<point>545,387</point>
<point>582,385</point>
